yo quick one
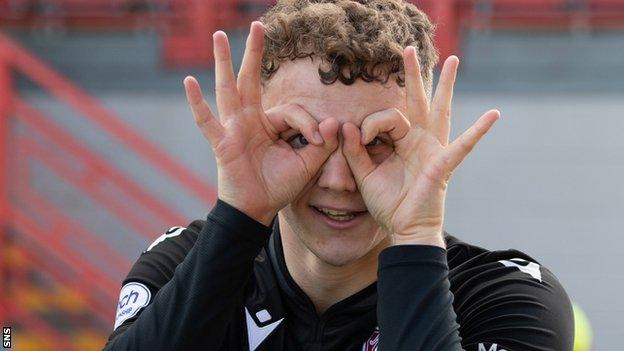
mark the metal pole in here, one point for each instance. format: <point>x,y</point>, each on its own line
<point>204,22</point>
<point>445,16</point>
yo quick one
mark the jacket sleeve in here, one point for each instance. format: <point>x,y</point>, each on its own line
<point>512,303</point>
<point>197,302</point>
<point>509,304</point>
<point>415,304</point>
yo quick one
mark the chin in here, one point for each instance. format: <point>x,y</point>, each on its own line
<point>333,246</point>
<point>338,254</point>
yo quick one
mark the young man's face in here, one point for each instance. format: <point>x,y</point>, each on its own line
<point>343,237</point>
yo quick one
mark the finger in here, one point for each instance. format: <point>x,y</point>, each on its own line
<point>455,153</point>
<point>285,117</point>
<point>441,105</point>
<point>248,82</point>
<point>357,157</point>
<point>417,102</point>
<point>205,120</point>
<point>315,156</point>
<point>228,99</point>
<point>390,121</point>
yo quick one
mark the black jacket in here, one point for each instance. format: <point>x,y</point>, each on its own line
<point>222,284</point>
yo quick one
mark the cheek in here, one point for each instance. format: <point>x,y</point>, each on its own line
<point>298,213</point>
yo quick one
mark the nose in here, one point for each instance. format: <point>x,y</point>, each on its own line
<point>336,174</point>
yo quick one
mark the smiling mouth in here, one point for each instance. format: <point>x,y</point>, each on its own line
<point>341,216</point>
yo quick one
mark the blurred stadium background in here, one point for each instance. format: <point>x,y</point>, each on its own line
<point>99,154</point>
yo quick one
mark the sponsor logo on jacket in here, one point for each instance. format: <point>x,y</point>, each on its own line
<point>492,347</point>
<point>132,298</point>
<point>372,344</point>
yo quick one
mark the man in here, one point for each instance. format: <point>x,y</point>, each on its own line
<point>327,235</point>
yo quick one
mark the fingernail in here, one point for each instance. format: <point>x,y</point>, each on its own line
<point>318,138</point>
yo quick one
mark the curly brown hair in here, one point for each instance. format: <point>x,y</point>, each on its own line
<point>353,38</point>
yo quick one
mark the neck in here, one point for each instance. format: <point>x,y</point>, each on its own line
<point>326,284</point>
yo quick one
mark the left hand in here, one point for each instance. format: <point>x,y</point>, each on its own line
<point>405,193</point>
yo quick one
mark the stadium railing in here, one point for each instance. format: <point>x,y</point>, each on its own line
<point>35,227</point>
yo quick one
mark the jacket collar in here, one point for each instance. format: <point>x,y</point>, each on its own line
<point>363,299</point>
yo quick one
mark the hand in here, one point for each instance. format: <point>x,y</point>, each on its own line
<point>258,173</point>
<point>405,193</point>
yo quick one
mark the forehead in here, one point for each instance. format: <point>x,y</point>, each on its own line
<point>298,82</point>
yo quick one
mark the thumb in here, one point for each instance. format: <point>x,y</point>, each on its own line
<point>359,161</point>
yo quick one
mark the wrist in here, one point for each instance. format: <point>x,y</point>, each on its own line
<point>266,218</point>
<point>431,239</point>
<point>263,217</point>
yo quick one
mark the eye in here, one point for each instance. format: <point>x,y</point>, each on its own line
<point>298,141</point>
<point>380,147</point>
<point>375,142</point>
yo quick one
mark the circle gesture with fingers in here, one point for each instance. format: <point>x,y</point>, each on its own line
<point>405,192</point>
<point>258,172</point>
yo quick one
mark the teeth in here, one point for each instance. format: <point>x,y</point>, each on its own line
<point>337,215</point>
<point>333,213</point>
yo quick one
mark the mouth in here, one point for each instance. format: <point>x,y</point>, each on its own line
<point>339,219</point>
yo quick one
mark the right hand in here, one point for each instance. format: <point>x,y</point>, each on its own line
<point>258,172</point>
